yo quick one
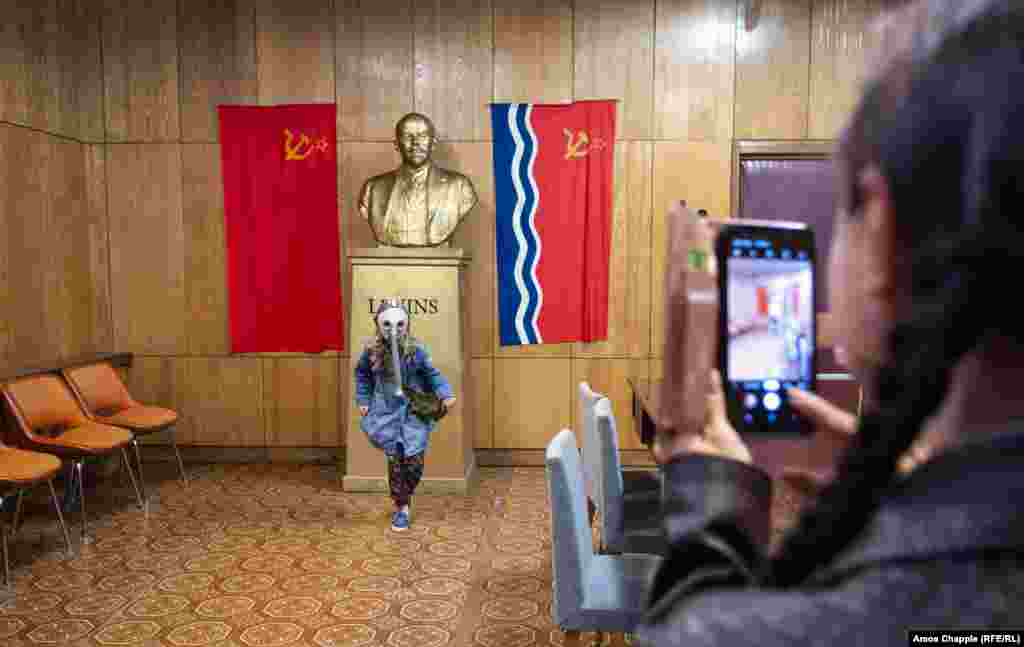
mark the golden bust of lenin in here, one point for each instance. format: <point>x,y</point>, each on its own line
<point>418,204</point>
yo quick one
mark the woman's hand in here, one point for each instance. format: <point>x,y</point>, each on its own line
<point>717,438</point>
<point>833,429</point>
<point>363,410</point>
<point>449,403</point>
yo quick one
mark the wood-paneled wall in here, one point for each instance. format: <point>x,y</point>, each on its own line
<point>113,210</point>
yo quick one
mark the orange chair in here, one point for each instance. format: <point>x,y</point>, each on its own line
<point>19,471</point>
<point>48,419</point>
<point>105,398</point>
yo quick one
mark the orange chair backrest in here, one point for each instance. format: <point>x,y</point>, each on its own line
<point>100,387</point>
<point>43,402</point>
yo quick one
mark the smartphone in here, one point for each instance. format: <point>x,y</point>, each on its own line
<point>767,336</point>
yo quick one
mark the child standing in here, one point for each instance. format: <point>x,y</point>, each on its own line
<point>400,396</point>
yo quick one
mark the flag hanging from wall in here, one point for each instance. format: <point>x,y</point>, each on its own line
<point>553,201</point>
<point>281,227</point>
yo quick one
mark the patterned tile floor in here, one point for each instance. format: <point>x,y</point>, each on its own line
<point>275,555</point>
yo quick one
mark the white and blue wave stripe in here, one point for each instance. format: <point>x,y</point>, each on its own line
<point>520,296</point>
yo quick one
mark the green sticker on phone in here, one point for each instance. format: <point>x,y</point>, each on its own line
<point>697,259</point>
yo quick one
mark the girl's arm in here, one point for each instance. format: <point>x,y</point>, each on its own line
<point>364,380</point>
<point>438,384</point>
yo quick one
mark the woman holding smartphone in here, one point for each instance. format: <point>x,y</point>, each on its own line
<point>926,251</point>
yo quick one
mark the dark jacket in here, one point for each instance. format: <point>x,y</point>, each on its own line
<point>946,549</point>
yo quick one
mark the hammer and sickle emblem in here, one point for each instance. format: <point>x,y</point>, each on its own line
<point>293,150</point>
<point>578,147</point>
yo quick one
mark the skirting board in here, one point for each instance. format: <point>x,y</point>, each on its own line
<point>211,454</point>
<point>336,455</point>
<point>535,458</point>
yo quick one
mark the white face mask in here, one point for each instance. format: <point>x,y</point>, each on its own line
<point>393,321</point>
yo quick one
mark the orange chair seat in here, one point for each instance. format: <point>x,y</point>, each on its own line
<point>87,438</point>
<point>21,466</point>
<point>141,419</point>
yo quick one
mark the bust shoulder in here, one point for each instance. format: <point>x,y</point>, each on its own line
<point>389,176</point>
<point>448,175</point>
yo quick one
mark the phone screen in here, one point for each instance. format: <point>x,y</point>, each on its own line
<point>768,322</point>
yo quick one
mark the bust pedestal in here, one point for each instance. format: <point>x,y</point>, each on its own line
<point>432,280</point>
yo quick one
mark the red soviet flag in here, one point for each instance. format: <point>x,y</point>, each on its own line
<point>281,226</point>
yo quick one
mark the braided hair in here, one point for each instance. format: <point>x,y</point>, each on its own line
<point>946,129</point>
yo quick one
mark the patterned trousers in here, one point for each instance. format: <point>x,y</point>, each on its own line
<point>404,474</point>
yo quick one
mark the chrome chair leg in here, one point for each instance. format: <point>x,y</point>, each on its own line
<point>60,518</point>
<point>3,541</point>
<point>181,464</point>
<point>16,526</point>
<point>138,463</point>
<point>81,499</point>
<point>131,475</point>
<point>7,565</point>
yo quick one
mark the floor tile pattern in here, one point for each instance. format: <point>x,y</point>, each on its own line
<point>277,555</point>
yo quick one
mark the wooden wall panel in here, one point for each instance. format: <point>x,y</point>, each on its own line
<point>59,280</point>
<point>614,59</point>
<point>220,399</point>
<point>629,298</point>
<point>89,74</point>
<point>7,134</point>
<point>772,59</point>
<point>536,401</point>
<point>218,62</point>
<point>140,63</point>
<point>697,172</point>
<point>693,69</point>
<point>294,51</point>
<point>454,77</point>
<point>95,169</point>
<point>50,75</point>
<point>476,235</point>
<point>43,70</point>
<point>481,410</point>
<point>26,238</point>
<point>533,50</point>
<point>147,248</point>
<point>657,369</point>
<point>609,377</point>
<point>78,311</point>
<point>80,70</point>
<point>14,64</point>
<point>374,67</point>
<point>206,292</point>
<point>841,42</point>
<point>300,402</point>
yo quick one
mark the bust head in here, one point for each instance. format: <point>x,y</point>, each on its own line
<point>414,139</point>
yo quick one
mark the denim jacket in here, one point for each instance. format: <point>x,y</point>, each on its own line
<point>389,420</point>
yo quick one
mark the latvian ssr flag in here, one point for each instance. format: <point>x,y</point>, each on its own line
<point>281,226</point>
<point>553,191</point>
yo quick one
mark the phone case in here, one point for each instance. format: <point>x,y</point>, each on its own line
<point>691,322</point>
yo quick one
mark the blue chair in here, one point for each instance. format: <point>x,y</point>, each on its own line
<point>592,592</point>
<point>630,522</point>
<point>634,481</point>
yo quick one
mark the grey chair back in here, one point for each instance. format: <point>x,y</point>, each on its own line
<point>610,476</point>
<point>591,455</point>
<point>572,543</point>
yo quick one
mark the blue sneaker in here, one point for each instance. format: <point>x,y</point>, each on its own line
<point>400,521</point>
